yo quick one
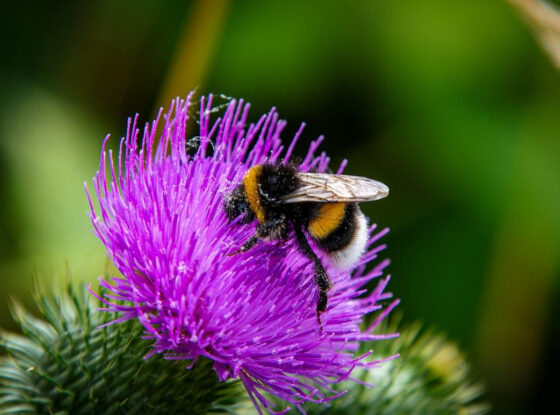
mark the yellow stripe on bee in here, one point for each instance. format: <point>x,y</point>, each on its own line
<point>250,181</point>
<point>330,216</point>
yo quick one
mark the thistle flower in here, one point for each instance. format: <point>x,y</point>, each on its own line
<point>161,218</point>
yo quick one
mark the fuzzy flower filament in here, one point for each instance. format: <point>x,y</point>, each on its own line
<point>161,218</point>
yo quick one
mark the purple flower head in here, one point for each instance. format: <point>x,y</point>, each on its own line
<point>161,218</point>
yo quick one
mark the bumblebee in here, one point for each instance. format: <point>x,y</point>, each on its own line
<point>323,207</point>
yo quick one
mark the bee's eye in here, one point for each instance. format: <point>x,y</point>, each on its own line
<point>236,204</point>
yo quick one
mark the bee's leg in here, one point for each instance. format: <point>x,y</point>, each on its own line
<point>263,230</point>
<point>251,242</point>
<point>321,277</point>
<point>273,229</point>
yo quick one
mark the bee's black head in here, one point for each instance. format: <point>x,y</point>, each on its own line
<point>276,181</point>
<point>236,204</point>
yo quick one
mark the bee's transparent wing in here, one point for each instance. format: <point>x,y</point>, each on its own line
<point>321,187</point>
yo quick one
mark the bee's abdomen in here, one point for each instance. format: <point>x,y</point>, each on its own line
<point>341,231</point>
<point>333,225</point>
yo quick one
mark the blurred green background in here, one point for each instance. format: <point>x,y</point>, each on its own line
<point>451,103</point>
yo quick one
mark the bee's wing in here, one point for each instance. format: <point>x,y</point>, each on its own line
<point>321,187</point>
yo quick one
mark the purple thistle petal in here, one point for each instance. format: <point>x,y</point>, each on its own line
<point>161,217</point>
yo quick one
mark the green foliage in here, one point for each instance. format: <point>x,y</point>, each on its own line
<point>64,364</point>
<point>430,377</point>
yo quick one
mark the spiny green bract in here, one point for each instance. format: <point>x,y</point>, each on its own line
<point>430,377</point>
<point>65,364</point>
